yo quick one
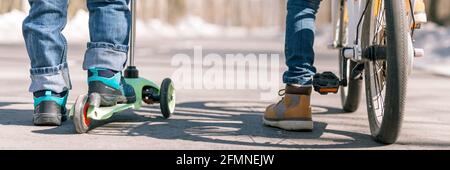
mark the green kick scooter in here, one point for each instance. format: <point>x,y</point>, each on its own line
<point>87,107</point>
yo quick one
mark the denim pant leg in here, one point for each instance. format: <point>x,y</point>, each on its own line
<point>109,27</point>
<point>46,46</point>
<point>299,41</point>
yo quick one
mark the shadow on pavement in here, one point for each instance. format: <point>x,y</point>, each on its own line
<point>230,123</point>
<point>234,123</point>
<point>216,122</point>
<point>18,117</point>
<point>15,116</point>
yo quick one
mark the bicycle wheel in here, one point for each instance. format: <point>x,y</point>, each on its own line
<point>385,25</point>
<point>350,94</point>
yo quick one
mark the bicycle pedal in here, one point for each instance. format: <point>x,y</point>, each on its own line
<point>325,83</point>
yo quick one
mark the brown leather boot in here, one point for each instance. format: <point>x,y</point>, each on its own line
<point>293,112</point>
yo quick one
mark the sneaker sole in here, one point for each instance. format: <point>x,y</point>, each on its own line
<point>108,100</point>
<point>47,119</point>
<point>294,125</point>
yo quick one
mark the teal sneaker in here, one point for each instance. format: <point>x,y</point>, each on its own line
<point>49,108</point>
<point>111,87</point>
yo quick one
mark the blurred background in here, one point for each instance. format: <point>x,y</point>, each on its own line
<point>248,13</point>
<point>206,19</point>
<point>227,18</point>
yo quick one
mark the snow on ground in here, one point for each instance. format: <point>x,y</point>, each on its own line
<point>434,39</point>
<point>436,42</point>
<point>190,26</point>
<point>11,27</point>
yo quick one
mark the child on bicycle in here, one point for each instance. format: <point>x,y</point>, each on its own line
<point>293,112</point>
<point>105,57</point>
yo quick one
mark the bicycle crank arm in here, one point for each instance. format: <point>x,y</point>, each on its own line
<point>357,72</point>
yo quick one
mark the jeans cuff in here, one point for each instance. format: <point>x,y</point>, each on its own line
<point>303,82</point>
<point>56,79</point>
<point>48,70</point>
<point>105,55</point>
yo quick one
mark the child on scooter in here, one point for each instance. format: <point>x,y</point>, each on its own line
<point>105,57</point>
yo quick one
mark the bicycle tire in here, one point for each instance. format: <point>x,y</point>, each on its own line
<point>351,94</point>
<point>396,72</point>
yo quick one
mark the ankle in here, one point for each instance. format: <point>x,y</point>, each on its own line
<point>101,72</point>
<point>43,93</point>
<point>298,89</point>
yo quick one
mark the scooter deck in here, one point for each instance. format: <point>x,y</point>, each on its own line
<point>103,113</point>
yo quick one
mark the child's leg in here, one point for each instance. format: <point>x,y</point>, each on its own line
<point>294,111</point>
<point>46,45</point>
<point>299,41</point>
<point>47,48</point>
<point>105,58</point>
<point>109,27</point>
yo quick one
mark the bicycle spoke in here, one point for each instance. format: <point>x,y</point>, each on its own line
<point>379,38</point>
<point>380,88</point>
<point>380,19</point>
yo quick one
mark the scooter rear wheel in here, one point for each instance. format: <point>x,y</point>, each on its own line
<point>80,120</point>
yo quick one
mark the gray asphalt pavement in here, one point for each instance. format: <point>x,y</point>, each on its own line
<point>214,119</point>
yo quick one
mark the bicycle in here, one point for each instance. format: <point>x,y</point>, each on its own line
<point>374,39</point>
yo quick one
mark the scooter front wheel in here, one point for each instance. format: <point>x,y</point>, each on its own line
<point>80,120</point>
<point>167,98</point>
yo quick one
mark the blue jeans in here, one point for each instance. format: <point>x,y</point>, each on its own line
<point>109,25</point>
<point>299,41</point>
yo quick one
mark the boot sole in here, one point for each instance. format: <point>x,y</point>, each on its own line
<point>47,119</point>
<point>294,125</point>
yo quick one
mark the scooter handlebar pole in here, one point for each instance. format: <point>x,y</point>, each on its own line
<point>132,32</point>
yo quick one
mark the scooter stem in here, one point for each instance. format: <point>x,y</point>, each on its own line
<point>131,71</point>
<point>132,32</point>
